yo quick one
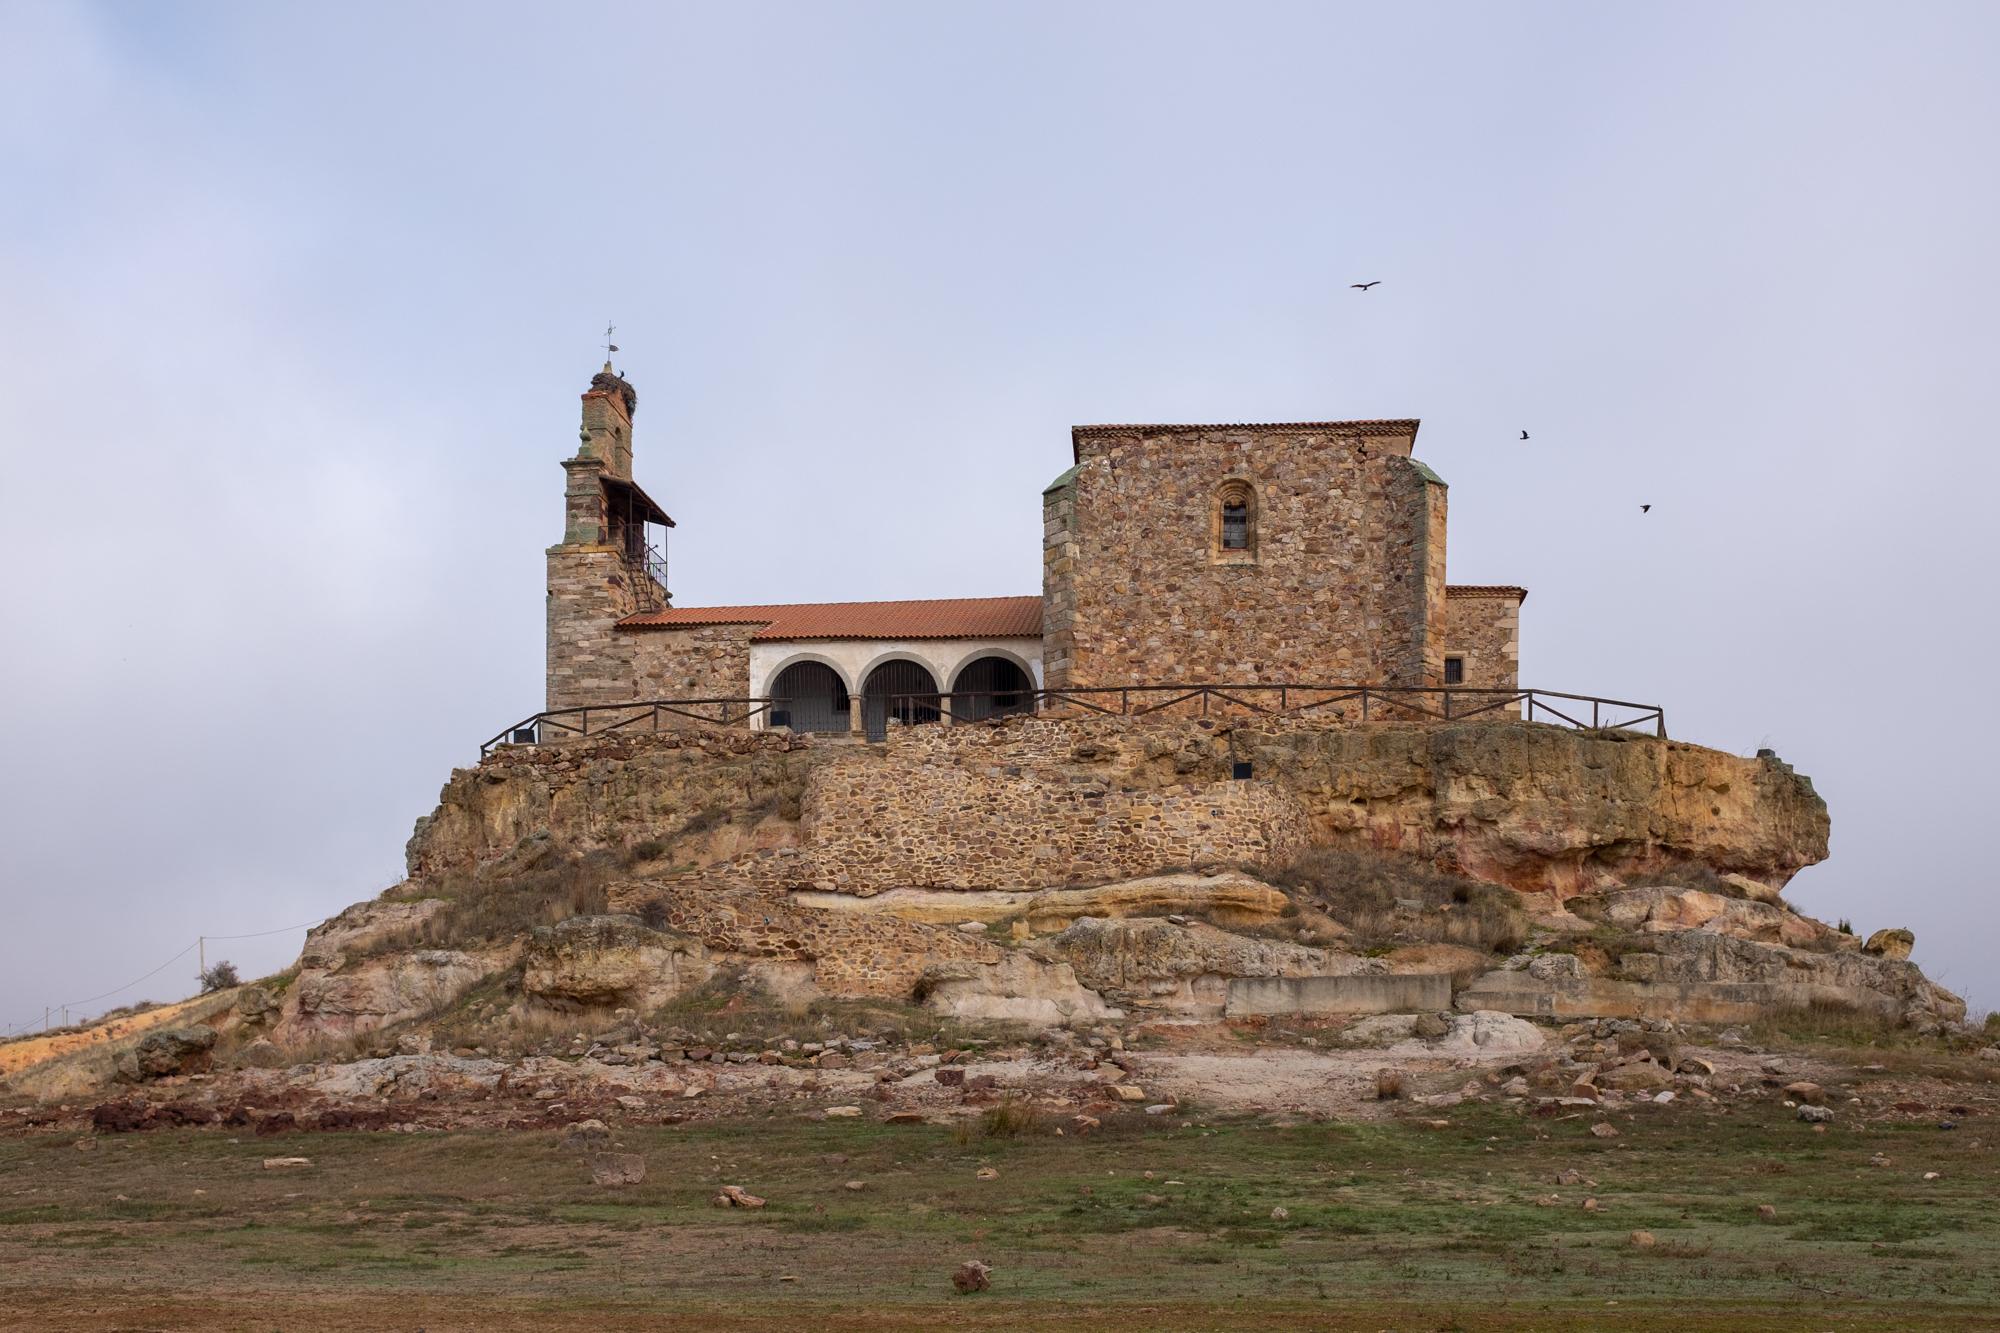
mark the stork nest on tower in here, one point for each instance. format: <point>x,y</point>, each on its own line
<point>607,382</point>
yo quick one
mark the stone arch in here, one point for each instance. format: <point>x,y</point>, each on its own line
<point>1029,667</point>
<point>792,659</point>
<point>887,688</point>
<point>992,684</point>
<point>816,694</point>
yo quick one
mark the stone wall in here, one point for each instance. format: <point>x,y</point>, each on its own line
<point>692,662</point>
<point>592,661</point>
<point>589,658</point>
<point>1043,803</point>
<point>1059,550</point>
<point>1484,629</point>
<point>873,825</point>
<point>1344,578</point>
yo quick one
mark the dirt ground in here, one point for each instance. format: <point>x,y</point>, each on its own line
<point>1423,1219</point>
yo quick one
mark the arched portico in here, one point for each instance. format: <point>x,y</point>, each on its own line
<point>814,693</point>
<point>992,685</point>
<point>899,687</point>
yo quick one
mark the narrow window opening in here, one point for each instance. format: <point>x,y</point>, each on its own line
<point>1235,526</point>
<point>1454,671</point>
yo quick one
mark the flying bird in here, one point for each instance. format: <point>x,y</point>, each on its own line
<point>1364,286</point>
<point>1524,435</point>
<point>1645,509</point>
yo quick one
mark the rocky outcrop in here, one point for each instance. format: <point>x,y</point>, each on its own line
<point>1229,898</point>
<point>1543,808</point>
<point>687,796</point>
<point>1657,908</point>
<point>1016,989</point>
<point>1894,943</point>
<point>1704,976</point>
<point>370,968</point>
<point>165,1053</point>
<point>378,992</point>
<point>1070,803</point>
<point>365,927</point>
<point>1152,963</point>
<point>608,961</point>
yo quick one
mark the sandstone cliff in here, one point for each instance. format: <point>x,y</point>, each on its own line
<point>1076,870</point>
<point>1041,804</point>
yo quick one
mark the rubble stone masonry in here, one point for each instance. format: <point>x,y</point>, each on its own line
<point>1483,626</point>
<point>1342,580</point>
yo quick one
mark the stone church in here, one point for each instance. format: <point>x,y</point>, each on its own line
<point>1302,553</point>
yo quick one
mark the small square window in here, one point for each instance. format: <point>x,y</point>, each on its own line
<point>1454,671</point>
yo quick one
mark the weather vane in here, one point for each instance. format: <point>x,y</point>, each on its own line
<point>609,346</point>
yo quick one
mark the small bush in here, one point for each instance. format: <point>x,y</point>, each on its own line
<point>653,914</point>
<point>537,887</point>
<point>1845,927</point>
<point>1009,1119</point>
<point>220,975</point>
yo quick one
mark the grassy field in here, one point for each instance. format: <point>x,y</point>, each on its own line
<point>1387,1225</point>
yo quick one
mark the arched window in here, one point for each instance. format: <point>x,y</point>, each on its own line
<point>1234,526</point>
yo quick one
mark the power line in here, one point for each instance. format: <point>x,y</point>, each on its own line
<point>260,934</point>
<point>78,1004</point>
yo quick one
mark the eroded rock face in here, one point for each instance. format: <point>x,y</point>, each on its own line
<point>607,961</point>
<point>1705,976</point>
<point>377,992</point>
<point>364,926</point>
<point>1060,804</point>
<point>700,794</point>
<point>1017,988</point>
<point>1227,898</point>
<point>1155,963</point>
<point>1543,808</point>
<point>1894,943</point>
<point>366,969</point>
<point>1657,908</point>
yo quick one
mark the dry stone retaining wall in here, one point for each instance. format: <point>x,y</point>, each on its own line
<point>873,825</point>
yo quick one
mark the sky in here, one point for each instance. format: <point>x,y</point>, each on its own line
<point>296,302</point>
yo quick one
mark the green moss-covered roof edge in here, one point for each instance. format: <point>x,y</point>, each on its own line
<point>1062,481</point>
<point>1424,471</point>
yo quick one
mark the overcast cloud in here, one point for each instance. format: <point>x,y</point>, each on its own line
<point>296,302</point>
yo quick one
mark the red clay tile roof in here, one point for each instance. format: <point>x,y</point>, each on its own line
<point>942,618</point>
<point>1486,590</point>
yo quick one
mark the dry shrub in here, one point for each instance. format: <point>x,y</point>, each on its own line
<point>1685,875</point>
<point>1387,900</point>
<point>538,886</point>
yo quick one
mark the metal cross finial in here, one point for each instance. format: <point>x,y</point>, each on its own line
<point>609,346</point>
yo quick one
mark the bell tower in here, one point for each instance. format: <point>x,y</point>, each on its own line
<point>612,560</point>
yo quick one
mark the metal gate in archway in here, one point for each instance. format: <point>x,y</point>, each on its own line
<point>889,686</point>
<point>814,698</point>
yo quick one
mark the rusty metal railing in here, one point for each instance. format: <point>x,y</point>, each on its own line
<point>644,715</point>
<point>1365,703</point>
<point>1361,703</point>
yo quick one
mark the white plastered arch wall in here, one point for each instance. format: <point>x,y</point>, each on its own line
<point>1031,664</point>
<point>853,659</point>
